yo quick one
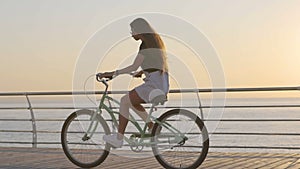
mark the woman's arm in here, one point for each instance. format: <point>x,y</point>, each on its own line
<point>135,65</point>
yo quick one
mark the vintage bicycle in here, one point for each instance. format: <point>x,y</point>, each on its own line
<point>179,138</point>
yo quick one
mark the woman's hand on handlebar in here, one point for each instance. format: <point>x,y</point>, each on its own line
<point>108,75</point>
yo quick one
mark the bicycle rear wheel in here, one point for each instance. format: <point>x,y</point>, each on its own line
<point>82,149</point>
<point>185,148</point>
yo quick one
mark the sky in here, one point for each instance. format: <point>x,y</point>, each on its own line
<point>256,40</point>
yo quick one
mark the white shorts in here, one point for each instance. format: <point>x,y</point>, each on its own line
<point>155,83</point>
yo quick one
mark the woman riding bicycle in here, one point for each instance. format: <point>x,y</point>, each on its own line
<point>152,60</point>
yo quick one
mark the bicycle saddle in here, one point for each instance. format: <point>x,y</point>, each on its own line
<point>160,99</point>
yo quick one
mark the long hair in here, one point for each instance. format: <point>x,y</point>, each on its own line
<point>150,38</point>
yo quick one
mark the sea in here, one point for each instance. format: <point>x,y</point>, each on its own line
<point>277,125</point>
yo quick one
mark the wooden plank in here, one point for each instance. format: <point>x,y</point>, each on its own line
<point>55,158</point>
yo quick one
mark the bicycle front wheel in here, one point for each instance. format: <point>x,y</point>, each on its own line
<point>85,149</point>
<point>180,140</point>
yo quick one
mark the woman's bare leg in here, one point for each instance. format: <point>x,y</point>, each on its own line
<point>124,115</point>
<point>134,101</point>
<point>138,108</point>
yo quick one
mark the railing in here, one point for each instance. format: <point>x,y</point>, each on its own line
<point>35,132</point>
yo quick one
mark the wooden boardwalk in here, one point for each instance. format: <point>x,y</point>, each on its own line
<point>42,158</point>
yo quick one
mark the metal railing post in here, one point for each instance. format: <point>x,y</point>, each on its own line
<point>33,122</point>
<point>200,106</point>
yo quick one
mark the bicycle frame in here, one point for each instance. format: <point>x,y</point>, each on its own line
<point>78,130</point>
<point>141,130</point>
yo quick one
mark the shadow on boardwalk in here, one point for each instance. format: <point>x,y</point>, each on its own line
<point>30,158</point>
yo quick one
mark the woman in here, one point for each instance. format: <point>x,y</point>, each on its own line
<point>152,60</point>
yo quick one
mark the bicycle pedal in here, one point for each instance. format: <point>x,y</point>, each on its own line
<point>139,135</point>
<point>136,135</point>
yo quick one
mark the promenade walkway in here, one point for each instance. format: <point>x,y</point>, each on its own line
<point>42,158</point>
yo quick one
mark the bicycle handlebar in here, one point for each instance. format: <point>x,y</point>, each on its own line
<point>103,80</point>
<point>106,79</point>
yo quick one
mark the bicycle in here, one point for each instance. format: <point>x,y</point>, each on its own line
<point>179,138</point>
